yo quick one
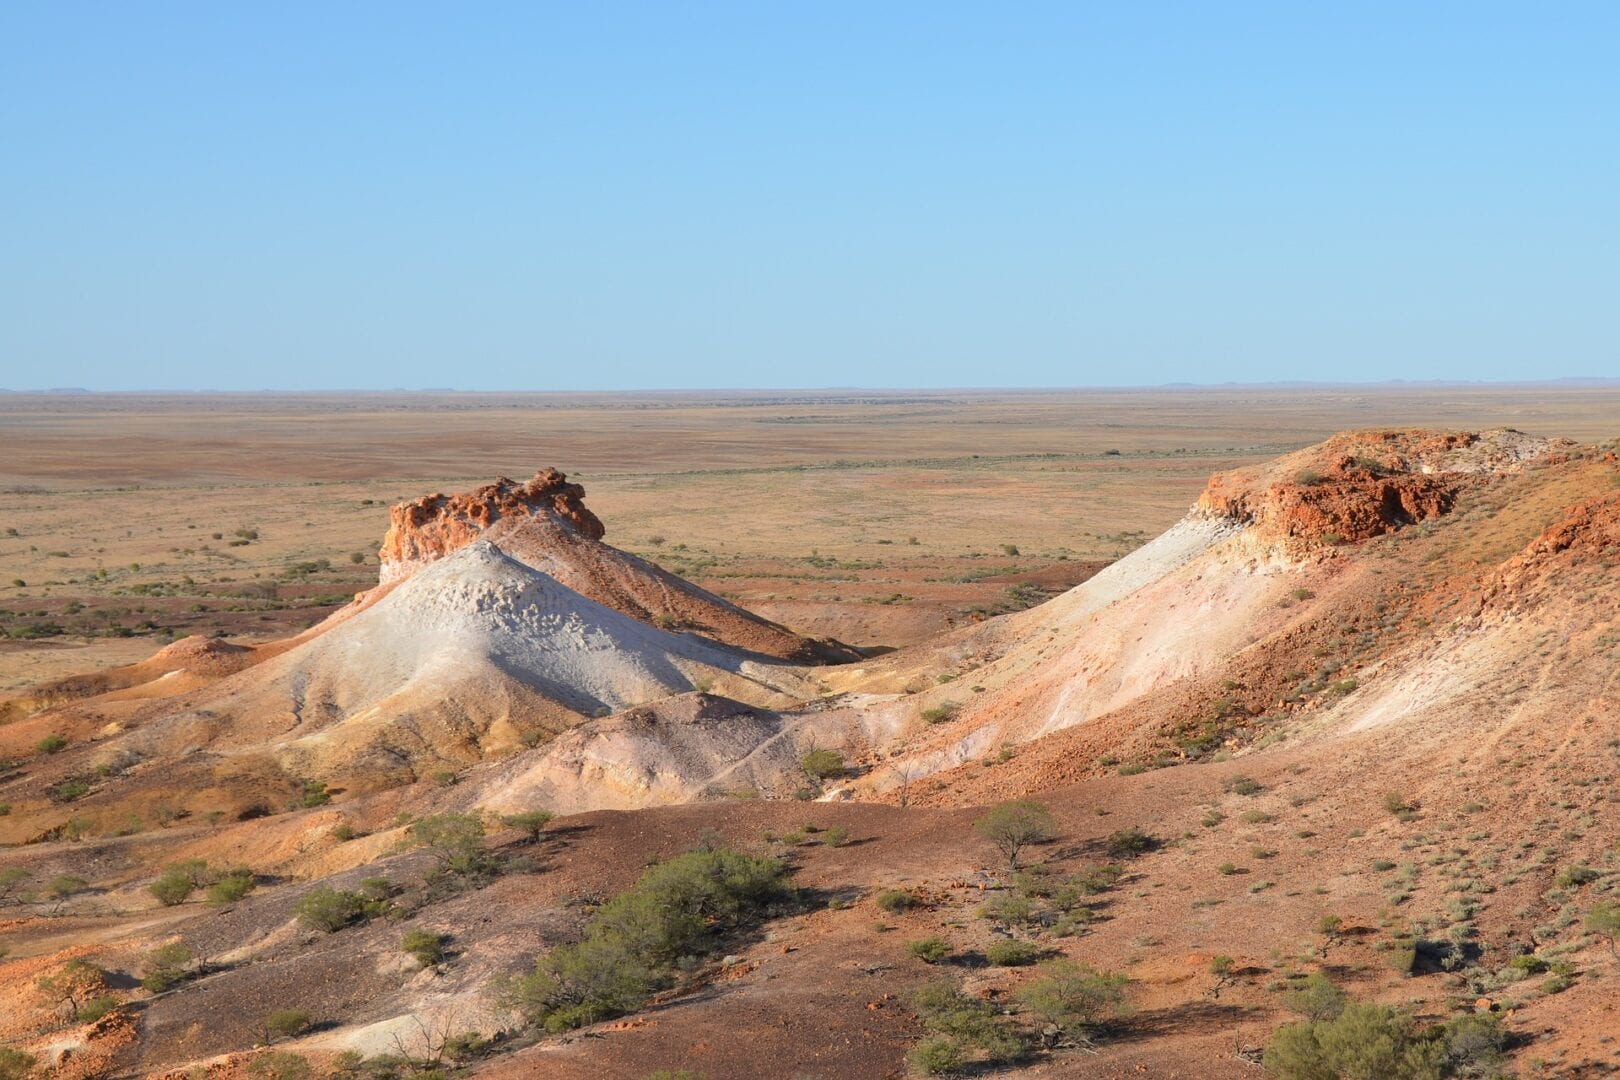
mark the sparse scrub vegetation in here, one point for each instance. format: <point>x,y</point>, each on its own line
<point>1129,841</point>
<point>530,822</point>
<point>822,764</point>
<point>894,901</point>
<point>1010,952</point>
<point>961,1028</point>
<point>631,946</point>
<point>427,946</point>
<point>1074,998</point>
<point>1014,826</point>
<point>166,967</point>
<point>1368,1040</point>
<point>929,950</point>
<point>284,1024</point>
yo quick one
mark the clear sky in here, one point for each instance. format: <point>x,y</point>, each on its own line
<point>686,194</point>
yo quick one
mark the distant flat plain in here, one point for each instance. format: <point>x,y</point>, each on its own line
<point>875,516</point>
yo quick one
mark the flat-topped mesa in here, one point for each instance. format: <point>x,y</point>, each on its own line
<point>431,527</point>
<point>544,525</point>
<point>1362,484</point>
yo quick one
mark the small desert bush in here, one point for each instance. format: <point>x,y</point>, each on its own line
<point>929,950</point>
<point>1369,1040</point>
<point>823,764</point>
<point>960,1026</point>
<point>426,945</point>
<point>531,822</point>
<point>230,887</point>
<point>1316,998</point>
<point>1014,826</point>
<point>330,910</point>
<point>285,1023</point>
<point>1073,997</point>
<point>1011,953</point>
<point>894,901</point>
<point>633,943</point>
<point>165,967</point>
<point>15,1064</point>
<point>172,888</point>
<point>280,1065</point>
<point>96,1008</point>
<point>1129,841</point>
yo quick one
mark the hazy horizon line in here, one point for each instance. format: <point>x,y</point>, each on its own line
<point>1567,382</point>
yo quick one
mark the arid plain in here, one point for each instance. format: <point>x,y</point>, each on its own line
<point>874,517</point>
<point>1314,690</point>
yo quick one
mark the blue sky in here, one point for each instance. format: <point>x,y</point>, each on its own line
<point>601,196</point>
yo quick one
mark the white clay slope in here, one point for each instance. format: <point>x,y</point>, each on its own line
<point>466,656</point>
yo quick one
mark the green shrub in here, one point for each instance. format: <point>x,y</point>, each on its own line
<point>1364,1040</point>
<point>74,985</point>
<point>894,901</point>
<point>1131,841</point>
<point>937,1055</point>
<point>1528,964</point>
<point>1573,877</point>
<point>837,836</point>
<point>52,744</point>
<point>531,822</point>
<point>1010,952</point>
<point>1604,920</point>
<point>823,764</point>
<point>15,1064</point>
<point>11,883</point>
<point>426,945</point>
<point>1316,998</point>
<point>70,791</point>
<point>285,1023</point>
<point>1074,997</point>
<point>63,886</point>
<point>939,714</point>
<point>329,910</point>
<point>967,1023</point>
<point>1010,909</point>
<point>172,888</point>
<point>96,1008</point>
<point>1243,785</point>
<point>633,941</point>
<point>456,843</point>
<point>231,887</point>
<point>165,967</point>
<point>282,1065</point>
<point>929,950</point>
<point>1013,826</point>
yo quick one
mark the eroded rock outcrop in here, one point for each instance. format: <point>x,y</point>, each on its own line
<point>1576,554</point>
<point>1363,484</point>
<point>433,526</point>
<point>545,524</point>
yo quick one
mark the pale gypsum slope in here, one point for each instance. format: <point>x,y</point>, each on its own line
<point>447,661</point>
<point>690,747</point>
<point>1174,608</point>
<point>675,751</point>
